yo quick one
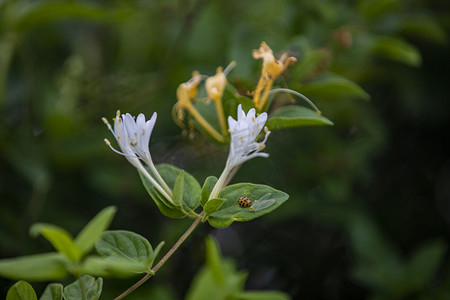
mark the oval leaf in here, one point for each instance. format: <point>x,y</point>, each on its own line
<point>190,196</point>
<point>126,245</point>
<point>38,267</point>
<point>86,239</point>
<point>21,291</point>
<point>60,239</point>
<point>212,205</point>
<point>231,211</point>
<point>92,289</point>
<point>53,291</point>
<point>178,189</point>
<point>191,190</point>
<point>207,188</point>
<point>295,116</point>
<point>334,87</point>
<point>396,49</point>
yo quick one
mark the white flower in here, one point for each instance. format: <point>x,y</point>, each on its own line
<point>133,138</point>
<point>243,144</point>
<point>243,132</point>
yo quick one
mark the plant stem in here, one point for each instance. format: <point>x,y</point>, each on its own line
<point>163,260</point>
<point>193,111</point>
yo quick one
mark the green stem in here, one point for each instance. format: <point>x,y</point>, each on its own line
<point>163,260</point>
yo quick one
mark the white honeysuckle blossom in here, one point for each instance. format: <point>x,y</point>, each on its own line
<point>243,133</point>
<point>243,145</point>
<point>133,138</point>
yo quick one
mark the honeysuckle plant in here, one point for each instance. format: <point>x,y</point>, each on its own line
<point>240,123</point>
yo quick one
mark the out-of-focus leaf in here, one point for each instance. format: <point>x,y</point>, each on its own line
<point>230,211</point>
<point>111,266</point>
<point>60,239</point>
<point>263,295</point>
<point>396,49</point>
<point>38,267</point>
<point>295,116</point>
<point>231,100</point>
<point>334,87</point>
<point>126,245</point>
<point>53,291</point>
<point>214,261</point>
<point>424,27</point>
<point>375,8</point>
<point>92,289</point>
<point>423,263</point>
<point>218,279</point>
<point>86,239</point>
<point>308,64</point>
<point>43,12</point>
<point>22,290</point>
<point>207,188</point>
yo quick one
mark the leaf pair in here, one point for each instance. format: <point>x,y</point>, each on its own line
<point>185,188</point>
<point>89,289</point>
<point>55,265</point>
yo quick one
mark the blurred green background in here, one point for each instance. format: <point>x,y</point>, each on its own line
<point>369,209</point>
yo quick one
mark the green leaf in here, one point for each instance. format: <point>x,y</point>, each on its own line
<point>214,261</point>
<point>191,191</point>
<point>424,263</point>
<point>44,12</point>
<point>157,249</point>
<point>207,188</point>
<point>126,245</point>
<point>334,87</point>
<point>38,267</point>
<point>231,211</point>
<point>308,64</point>
<point>263,295</point>
<point>178,189</point>
<point>86,239</point>
<point>295,116</point>
<point>423,26</point>
<point>231,100</point>
<point>110,266</point>
<point>89,289</point>
<point>22,290</point>
<point>396,49</point>
<point>213,205</point>
<point>218,279</point>
<point>165,207</point>
<point>60,239</point>
<point>53,291</point>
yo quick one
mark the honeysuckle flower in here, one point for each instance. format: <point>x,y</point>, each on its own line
<point>271,69</point>
<point>243,133</point>
<point>133,137</point>
<point>243,145</point>
<point>186,92</point>
<point>215,86</point>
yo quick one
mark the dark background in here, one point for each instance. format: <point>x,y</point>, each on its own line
<point>369,211</point>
